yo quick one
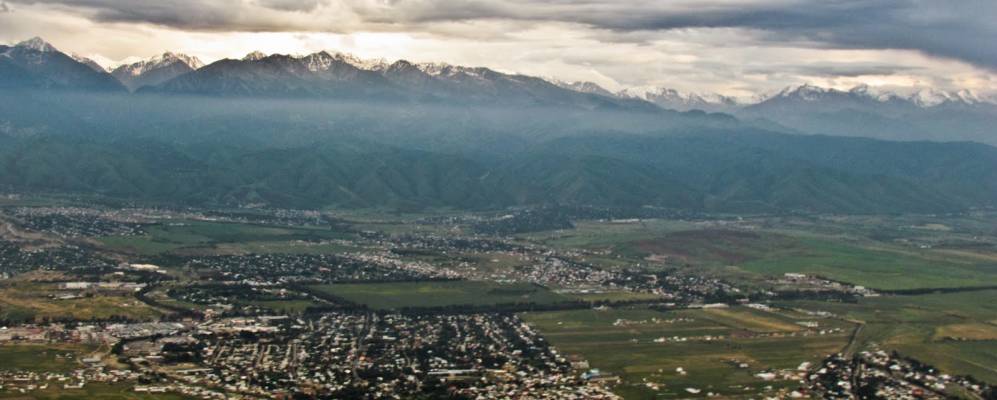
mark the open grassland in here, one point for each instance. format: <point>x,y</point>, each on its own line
<point>440,294</point>
<point>607,235</point>
<point>492,264</point>
<point>42,358</point>
<point>281,247</point>
<point>752,320</point>
<point>622,342</point>
<point>967,331</point>
<point>923,327</point>
<point>614,296</point>
<point>878,268</point>
<point>869,263</point>
<point>33,301</point>
<point>174,236</point>
<point>881,252</point>
<point>712,246</point>
<point>93,390</point>
<point>974,358</point>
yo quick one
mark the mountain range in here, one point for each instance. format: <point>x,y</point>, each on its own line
<point>332,130</point>
<point>156,70</point>
<point>36,64</point>
<point>927,114</point>
<point>861,111</point>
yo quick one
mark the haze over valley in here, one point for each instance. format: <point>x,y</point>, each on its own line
<point>255,199</point>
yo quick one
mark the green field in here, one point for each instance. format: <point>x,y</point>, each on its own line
<point>880,268</point>
<point>28,301</point>
<point>614,296</point>
<point>282,247</point>
<point>598,234</point>
<point>92,390</point>
<point>173,236</point>
<point>917,325</point>
<point>870,251</point>
<point>42,358</point>
<point>628,349</point>
<point>440,294</point>
<point>858,261</point>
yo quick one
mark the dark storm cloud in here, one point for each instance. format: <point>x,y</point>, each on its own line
<point>212,15</point>
<point>836,69</point>
<point>962,30</point>
<point>290,5</point>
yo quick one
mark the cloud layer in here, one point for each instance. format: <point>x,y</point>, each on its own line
<point>734,46</point>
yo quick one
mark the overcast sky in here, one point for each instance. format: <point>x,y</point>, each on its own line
<point>734,47</point>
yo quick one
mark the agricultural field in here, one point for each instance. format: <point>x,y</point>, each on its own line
<point>614,296</point>
<point>880,252</point>
<point>282,247</point>
<point>953,331</point>
<point>751,320</point>
<point>470,262</point>
<point>967,331</point>
<point>34,301</point>
<point>43,358</point>
<point>879,268</point>
<point>196,236</point>
<point>607,235</point>
<point>439,294</point>
<point>702,350</point>
<point>93,390</point>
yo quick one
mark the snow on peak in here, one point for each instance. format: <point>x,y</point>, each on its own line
<point>160,61</point>
<point>925,97</point>
<point>317,62</point>
<point>442,69</point>
<point>805,92</point>
<point>671,98</point>
<point>375,64</point>
<point>38,44</point>
<point>873,93</point>
<point>254,56</point>
<point>583,87</point>
<point>323,60</point>
<point>170,58</point>
<point>970,97</point>
<point>934,97</point>
<point>435,68</point>
<point>931,97</point>
<point>88,62</point>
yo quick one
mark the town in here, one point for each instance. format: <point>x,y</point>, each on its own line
<point>285,308</point>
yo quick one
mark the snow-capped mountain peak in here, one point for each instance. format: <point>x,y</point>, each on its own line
<point>675,100</point>
<point>156,70</point>
<point>254,56</point>
<point>317,62</point>
<point>873,93</point>
<point>933,97</point>
<point>434,68</point>
<point>374,64</point>
<point>806,92</point>
<point>88,62</point>
<point>37,44</point>
<point>583,87</point>
<point>971,97</point>
<point>170,57</point>
<point>922,98</point>
<point>164,60</point>
<point>323,61</point>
